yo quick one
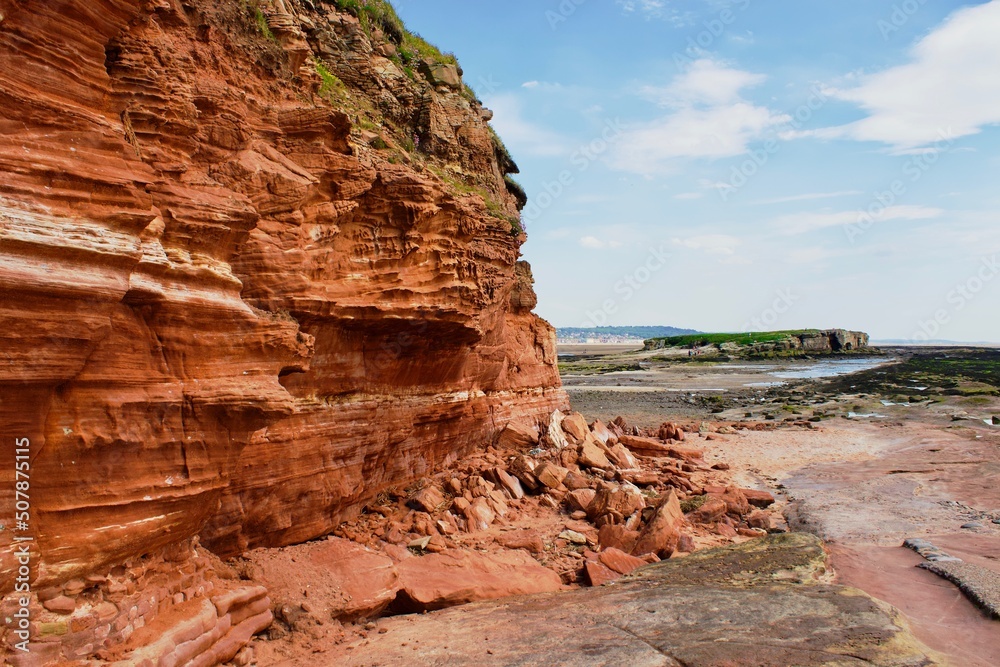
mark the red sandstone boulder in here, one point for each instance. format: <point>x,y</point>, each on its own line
<point>518,437</point>
<point>620,501</point>
<point>617,537</point>
<point>528,540</point>
<point>592,456</point>
<point>456,577</point>
<point>599,574</point>
<point>736,502</point>
<point>523,468</point>
<point>363,581</point>
<point>711,511</point>
<point>574,425</point>
<point>575,480</point>
<point>759,519</point>
<point>622,457</point>
<point>619,561</point>
<point>510,484</point>
<point>550,475</point>
<point>428,499</point>
<point>580,499</point>
<point>479,515</point>
<point>555,437</point>
<point>761,499</point>
<point>686,453</point>
<point>602,433</point>
<point>662,533</point>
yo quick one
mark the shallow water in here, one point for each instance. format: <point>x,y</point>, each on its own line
<point>825,368</point>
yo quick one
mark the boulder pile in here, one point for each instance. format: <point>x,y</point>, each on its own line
<point>590,501</point>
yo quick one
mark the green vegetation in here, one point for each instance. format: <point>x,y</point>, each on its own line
<point>693,503</point>
<point>381,14</point>
<point>261,21</point>
<point>972,373</point>
<point>719,339</point>
<point>517,190</point>
<point>375,13</point>
<point>331,87</point>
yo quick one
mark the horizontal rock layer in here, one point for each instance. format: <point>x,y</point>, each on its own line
<point>224,313</point>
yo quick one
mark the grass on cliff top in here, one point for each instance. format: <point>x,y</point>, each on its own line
<point>699,340</point>
<point>381,14</point>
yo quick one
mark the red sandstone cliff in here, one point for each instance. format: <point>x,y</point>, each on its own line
<point>240,297</point>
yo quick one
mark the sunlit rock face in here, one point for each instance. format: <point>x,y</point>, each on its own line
<point>226,311</point>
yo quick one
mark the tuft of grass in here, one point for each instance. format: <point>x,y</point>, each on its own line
<point>375,13</point>
<point>331,87</point>
<point>693,503</point>
<point>261,21</point>
<point>381,14</point>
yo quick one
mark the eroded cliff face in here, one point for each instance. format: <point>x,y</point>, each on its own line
<point>241,297</point>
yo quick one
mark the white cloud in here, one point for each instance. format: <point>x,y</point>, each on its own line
<point>518,132</point>
<point>705,82</point>
<point>545,86</point>
<point>810,255</point>
<point>597,244</point>
<point>719,132</point>
<point>689,195</point>
<point>809,196</point>
<point>949,88</point>
<point>657,9</point>
<point>802,223</point>
<point>708,119</point>
<point>713,244</point>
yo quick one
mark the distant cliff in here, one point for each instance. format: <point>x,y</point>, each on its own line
<point>768,342</point>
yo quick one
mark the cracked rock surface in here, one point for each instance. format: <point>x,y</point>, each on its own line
<point>762,603</point>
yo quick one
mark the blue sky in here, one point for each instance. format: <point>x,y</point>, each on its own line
<point>732,165</point>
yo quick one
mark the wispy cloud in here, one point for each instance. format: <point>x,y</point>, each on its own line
<point>658,9</point>
<point>595,243</point>
<point>809,196</point>
<point>713,244</point>
<point>521,134</point>
<point>949,87</point>
<point>708,118</point>
<point>802,223</point>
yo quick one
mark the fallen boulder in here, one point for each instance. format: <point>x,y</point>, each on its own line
<point>662,533</point>
<point>457,577</point>
<point>574,425</point>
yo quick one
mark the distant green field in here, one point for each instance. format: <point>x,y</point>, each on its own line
<point>698,340</point>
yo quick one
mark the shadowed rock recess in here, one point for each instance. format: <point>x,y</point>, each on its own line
<point>258,263</point>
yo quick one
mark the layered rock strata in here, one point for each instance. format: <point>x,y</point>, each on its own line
<point>240,295</point>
